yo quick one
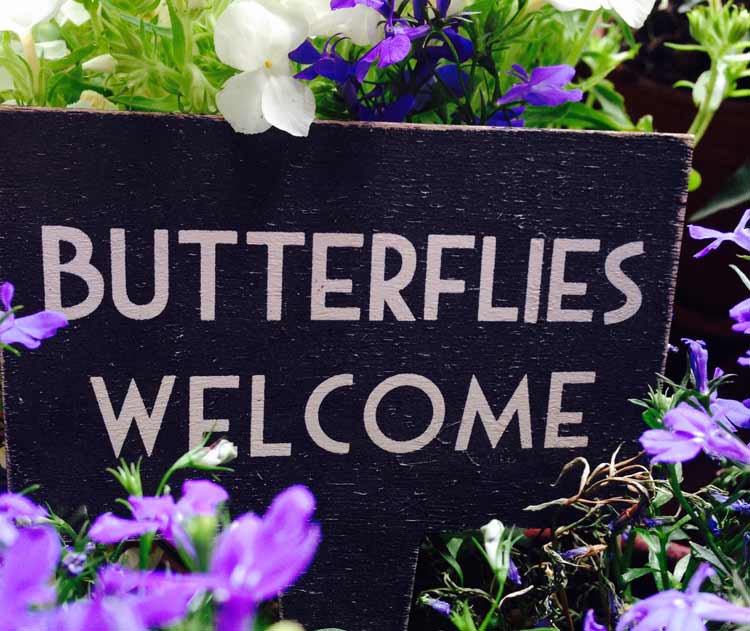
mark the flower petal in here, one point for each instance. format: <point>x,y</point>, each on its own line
<point>288,105</point>
<point>248,34</point>
<point>6,295</point>
<point>110,529</point>
<point>240,102</point>
<point>201,497</point>
<point>42,325</point>
<point>634,12</point>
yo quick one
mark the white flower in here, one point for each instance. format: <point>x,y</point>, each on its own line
<point>361,24</point>
<point>493,533</point>
<point>634,12</point>
<point>104,64</point>
<point>256,37</point>
<point>91,100</point>
<point>56,49</point>
<point>20,16</point>
<point>72,11</point>
<point>218,454</point>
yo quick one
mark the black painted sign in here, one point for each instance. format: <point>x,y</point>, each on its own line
<point>421,324</point>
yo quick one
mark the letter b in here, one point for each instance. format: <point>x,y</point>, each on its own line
<point>80,265</point>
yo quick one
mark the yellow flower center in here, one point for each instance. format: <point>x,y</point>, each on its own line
<point>268,64</point>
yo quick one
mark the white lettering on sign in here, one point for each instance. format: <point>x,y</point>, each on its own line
<point>426,279</point>
<point>440,420</point>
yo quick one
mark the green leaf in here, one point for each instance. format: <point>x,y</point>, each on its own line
<point>635,573</point>
<point>681,567</point>
<point>745,280</point>
<point>695,181</point>
<point>705,554</point>
<point>735,192</point>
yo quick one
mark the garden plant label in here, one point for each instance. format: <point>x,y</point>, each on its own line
<point>421,324</point>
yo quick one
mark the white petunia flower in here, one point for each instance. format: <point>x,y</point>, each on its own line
<point>74,12</point>
<point>256,37</point>
<point>634,12</point>
<point>361,24</point>
<point>104,64</point>
<point>20,16</point>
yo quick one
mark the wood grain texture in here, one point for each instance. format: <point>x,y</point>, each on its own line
<point>141,173</point>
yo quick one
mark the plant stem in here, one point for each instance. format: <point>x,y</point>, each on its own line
<point>29,52</point>
<point>705,112</point>
<point>574,56</point>
<point>697,519</point>
<point>493,608</point>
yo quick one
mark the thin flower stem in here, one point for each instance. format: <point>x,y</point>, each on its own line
<point>574,56</point>
<point>705,113</point>
<point>493,608</point>
<point>697,519</point>
<point>165,479</point>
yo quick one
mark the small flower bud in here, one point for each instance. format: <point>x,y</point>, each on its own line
<point>218,454</point>
<point>104,64</point>
<point>493,533</point>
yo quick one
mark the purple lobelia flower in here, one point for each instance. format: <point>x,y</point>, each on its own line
<point>740,313</point>
<point>256,558</point>
<point>687,610</point>
<point>740,506</point>
<point>734,413</point>
<point>348,4</point>
<point>128,600</point>
<point>162,515</point>
<point>394,47</point>
<point>26,573</point>
<point>16,510</point>
<point>29,330</point>
<point>740,235</point>
<point>590,623</point>
<point>328,63</point>
<point>543,87</point>
<point>689,431</point>
<point>440,606</point>
<point>509,117</point>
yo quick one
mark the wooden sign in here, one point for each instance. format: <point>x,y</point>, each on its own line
<point>422,324</point>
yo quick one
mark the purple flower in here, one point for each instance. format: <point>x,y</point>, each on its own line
<point>510,117</point>
<point>689,431</point>
<point>590,623</point>
<point>128,600</point>
<point>514,576</point>
<point>740,313</point>
<point>162,514</point>
<point>29,330</point>
<point>347,4</point>
<point>574,553</point>
<point>16,510</point>
<point>673,609</point>
<point>543,87</point>
<point>394,47</point>
<point>74,562</point>
<point>328,63</point>
<point>740,235</point>
<point>256,558</point>
<point>735,413</point>
<point>698,363</point>
<point>739,506</point>
<point>440,606</point>
<point>713,526</point>
<point>26,573</point>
